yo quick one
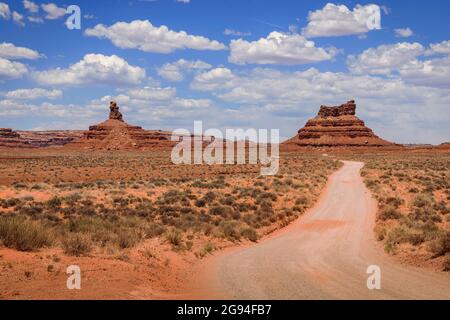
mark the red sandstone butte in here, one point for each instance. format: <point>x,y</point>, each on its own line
<point>336,127</point>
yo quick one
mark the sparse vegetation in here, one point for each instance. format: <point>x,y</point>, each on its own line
<point>115,201</point>
<point>413,193</point>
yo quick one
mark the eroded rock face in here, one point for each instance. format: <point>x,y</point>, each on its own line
<point>337,126</point>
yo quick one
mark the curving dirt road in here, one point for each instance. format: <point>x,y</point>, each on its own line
<point>324,255</point>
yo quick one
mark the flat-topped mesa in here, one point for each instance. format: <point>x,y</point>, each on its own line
<point>336,126</point>
<point>11,139</point>
<point>8,133</point>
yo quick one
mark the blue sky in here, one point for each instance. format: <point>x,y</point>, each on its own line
<point>250,64</point>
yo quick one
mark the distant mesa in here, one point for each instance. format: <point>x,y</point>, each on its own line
<point>10,138</point>
<point>445,145</point>
<point>116,134</point>
<point>37,139</point>
<point>336,127</point>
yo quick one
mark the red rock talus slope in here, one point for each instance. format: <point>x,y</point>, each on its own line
<point>116,134</point>
<point>336,127</point>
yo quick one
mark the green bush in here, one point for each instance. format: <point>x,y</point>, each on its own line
<point>24,235</point>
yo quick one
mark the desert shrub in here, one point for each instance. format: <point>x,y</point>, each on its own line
<point>210,196</point>
<point>441,246</point>
<point>250,234</point>
<point>128,238</point>
<point>422,200</point>
<point>54,203</point>
<point>394,202</point>
<point>218,183</point>
<point>425,214</point>
<point>77,244</point>
<point>380,232</point>
<point>31,209</point>
<point>200,203</point>
<point>446,265</point>
<point>441,206</point>
<point>175,237</point>
<point>230,230</point>
<point>220,211</point>
<point>228,200</point>
<point>266,197</point>
<point>208,248</point>
<point>302,201</point>
<point>389,213</point>
<point>153,230</point>
<point>24,235</point>
<point>8,203</point>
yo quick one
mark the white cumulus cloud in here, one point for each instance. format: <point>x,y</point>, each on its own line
<point>5,12</point>
<point>18,18</point>
<point>432,73</point>
<point>385,58</point>
<point>175,71</point>
<point>439,48</point>
<point>94,68</point>
<point>142,35</point>
<point>213,79</point>
<point>403,33</point>
<point>30,6</point>
<point>32,94</point>
<point>11,70</point>
<point>10,51</point>
<point>53,11</point>
<point>152,93</point>
<point>278,48</point>
<point>338,20</point>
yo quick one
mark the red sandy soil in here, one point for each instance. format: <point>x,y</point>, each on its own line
<point>323,255</point>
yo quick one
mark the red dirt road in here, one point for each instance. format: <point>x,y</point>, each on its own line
<point>324,255</point>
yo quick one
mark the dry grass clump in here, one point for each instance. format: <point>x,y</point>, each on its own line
<point>24,235</point>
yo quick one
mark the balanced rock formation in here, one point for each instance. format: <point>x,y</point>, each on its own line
<point>114,113</point>
<point>336,126</point>
<point>116,134</point>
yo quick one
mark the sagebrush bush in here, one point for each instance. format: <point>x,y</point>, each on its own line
<point>24,235</point>
<point>389,213</point>
<point>441,246</point>
<point>77,244</point>
<point>175,237</point>
<point>250,234</point>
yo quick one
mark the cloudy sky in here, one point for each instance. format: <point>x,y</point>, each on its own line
<point>231,63</point>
